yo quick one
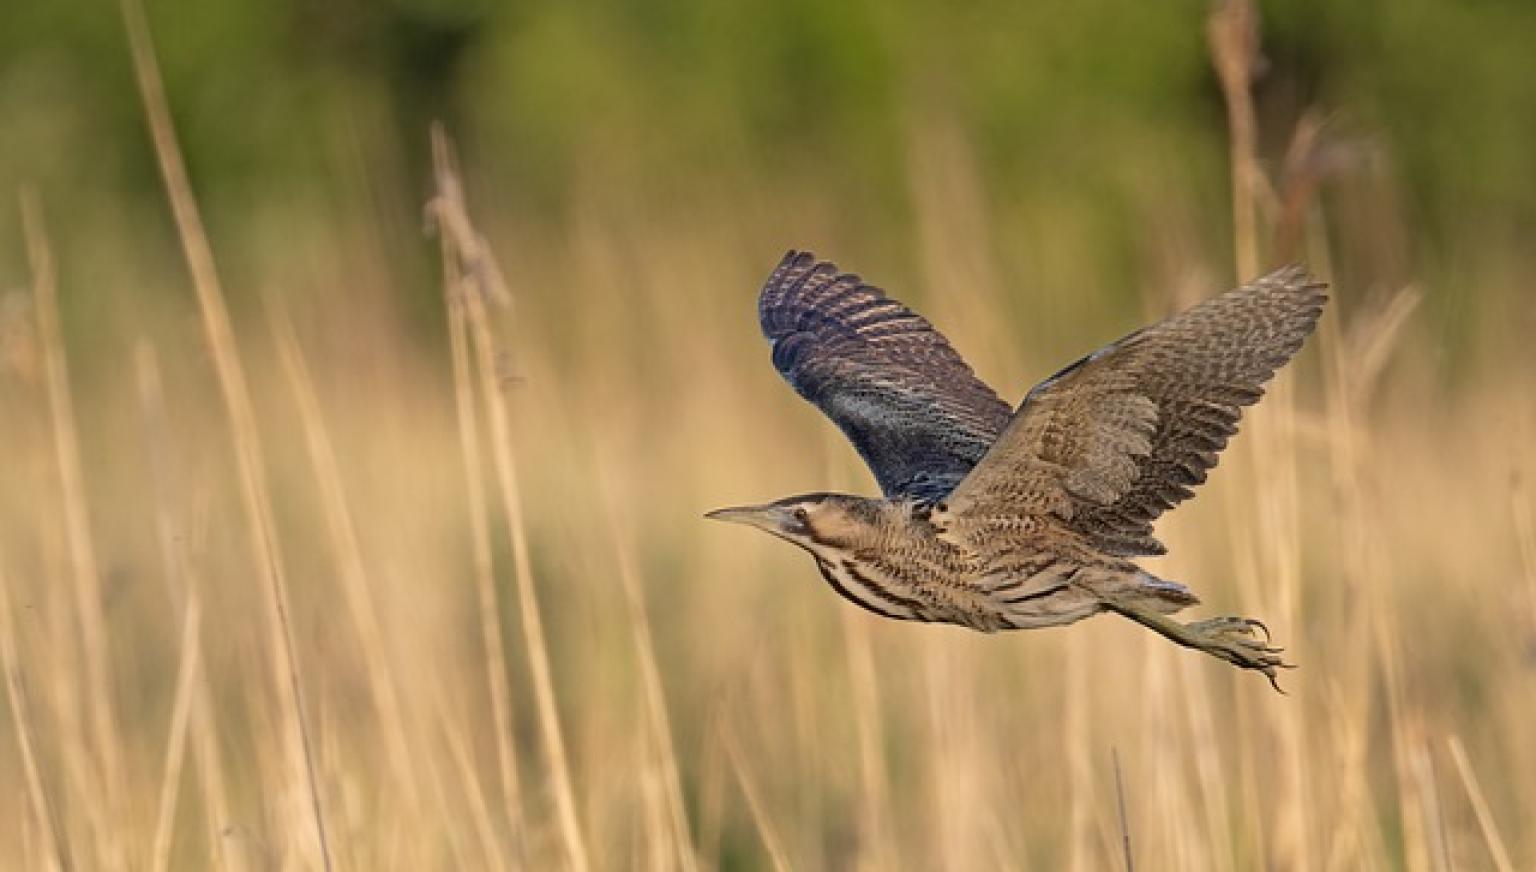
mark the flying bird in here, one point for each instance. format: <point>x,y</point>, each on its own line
<point>1001,519</point>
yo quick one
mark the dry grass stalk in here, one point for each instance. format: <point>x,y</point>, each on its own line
<point>1433,810</point>
<point>1121,816</point>
<point>182,590</point>
<point>453,218</point>
<point>766,830</point>
<point>1204,740</point>
<point>655,698</point>
<point>1277,572</point>
<point>655,849</point>
<point>38,794</point>
<point>489,609</point>
<point>712,800</point>
<point>1485,822</point>
<point>85,578</point>
<point>187,678</point>
<point>342,530</point>
<point>1077,737</point>
<point>1356,358</point>
<point>951,777</point>
<point>877,838</point>
<point>243,428</point>
<point>480,810</point>
<point>1274,565</point>
<point>1525,536</point>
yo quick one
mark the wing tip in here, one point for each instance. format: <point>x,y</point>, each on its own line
<point>792,287</point>
<point>797,257</point>
<point>794,267</point>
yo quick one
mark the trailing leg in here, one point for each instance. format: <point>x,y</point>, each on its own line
<point>1235,640</point>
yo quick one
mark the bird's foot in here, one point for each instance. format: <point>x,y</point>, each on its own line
<point>1235,640</point>
<point>1238,641</point>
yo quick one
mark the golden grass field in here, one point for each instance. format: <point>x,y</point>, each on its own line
<point>289,579</point>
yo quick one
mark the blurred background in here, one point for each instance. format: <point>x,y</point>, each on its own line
<point>310,557</point>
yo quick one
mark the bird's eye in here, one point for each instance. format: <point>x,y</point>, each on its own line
<point>802,515</point>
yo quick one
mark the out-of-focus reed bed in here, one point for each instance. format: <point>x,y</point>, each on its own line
<point>301,583</point>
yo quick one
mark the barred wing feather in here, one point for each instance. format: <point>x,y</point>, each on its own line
<point>906,400</point>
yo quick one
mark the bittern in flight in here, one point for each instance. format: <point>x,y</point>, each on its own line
<point>996,519</point>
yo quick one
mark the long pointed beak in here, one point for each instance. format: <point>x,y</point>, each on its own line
<point>763,517</point>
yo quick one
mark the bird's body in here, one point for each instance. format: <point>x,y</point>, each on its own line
<point>905,560</point>
<point>994,519</point>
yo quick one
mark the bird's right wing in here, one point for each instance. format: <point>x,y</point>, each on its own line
<point>1111,442</point>
<point>911,406</point>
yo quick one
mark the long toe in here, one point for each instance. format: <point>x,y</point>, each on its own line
<point>1238,641</point>
<point>1232,626</point>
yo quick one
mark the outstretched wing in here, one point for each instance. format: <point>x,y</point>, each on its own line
<point>914,410</point>
<point>1111,442</point>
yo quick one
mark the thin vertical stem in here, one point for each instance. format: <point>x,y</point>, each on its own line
<point>1125,823</point>
<point>1485,821</point>
<point>480,543</point>
<point>454,219</point>
<point>348,554</point>
<point>655,697</point>
<point>176,744</point>
<point>876,850</point>
<point>1077,737</point>
<point>1525,536</point>
<point>243,429</point>
<point>38,794</point>
<point>181,581</point>
<point>82,553</point>
<point>1232,32</point>
<point>480,812</point>
<point>769,833</point>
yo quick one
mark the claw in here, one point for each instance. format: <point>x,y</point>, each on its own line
<point>1237,641</point>
<point>1274,681</point>
<point>1255,622</point>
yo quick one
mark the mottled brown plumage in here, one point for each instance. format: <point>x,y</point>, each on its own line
<point>996,520</point>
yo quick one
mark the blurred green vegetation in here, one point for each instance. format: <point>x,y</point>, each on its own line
<point>676,103</point>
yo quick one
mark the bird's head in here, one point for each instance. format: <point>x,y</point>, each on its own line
<point>809,520</point>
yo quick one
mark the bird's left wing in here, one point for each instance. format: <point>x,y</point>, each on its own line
<point>1108,444</point>
<point>915,411</point>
